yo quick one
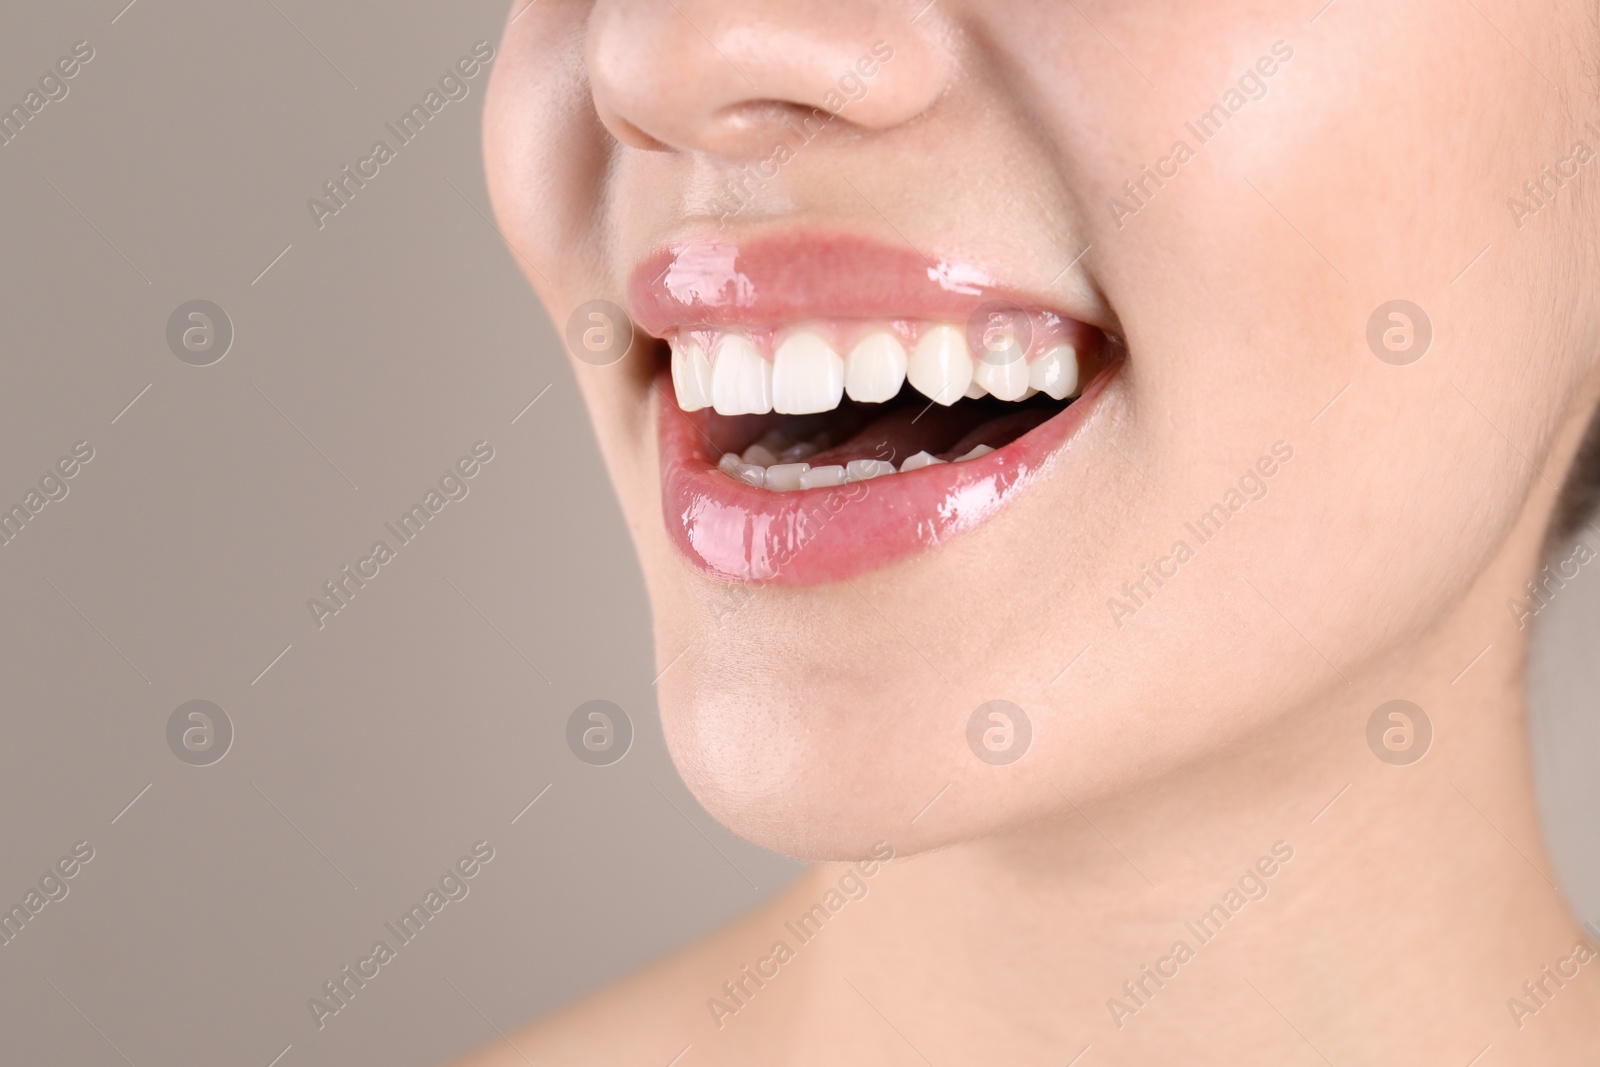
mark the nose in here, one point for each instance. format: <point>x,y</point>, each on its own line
<point>720,76</point>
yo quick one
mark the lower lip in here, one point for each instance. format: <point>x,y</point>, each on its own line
<point>731,530</point>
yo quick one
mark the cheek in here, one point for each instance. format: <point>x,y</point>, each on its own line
<point>1299,223</point>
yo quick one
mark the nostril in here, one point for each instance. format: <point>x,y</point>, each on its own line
<point>627,133</point>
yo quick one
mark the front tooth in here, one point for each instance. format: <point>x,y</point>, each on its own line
<point>741,381</point>
<point>807,375</point>
<point>818,477</point>
<point>786,477</point>
<point>918,461</point>
<point>691,375</point>
<point>975,391</point>
<point>876,368</point>
<point>1055,372</point>
<point>1004,381</point>
<point>861,470</point>
<point>977,451</point>
<point>940,368</point>
<point>752,474</point>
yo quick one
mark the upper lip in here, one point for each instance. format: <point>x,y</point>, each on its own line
<point>774,279</point>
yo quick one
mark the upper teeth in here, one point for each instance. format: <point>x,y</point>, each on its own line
<point>806,374</point>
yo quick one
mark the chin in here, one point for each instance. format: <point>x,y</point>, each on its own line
<point>793,768</point>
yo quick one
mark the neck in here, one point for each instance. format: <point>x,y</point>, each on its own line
<point>1298,894</point>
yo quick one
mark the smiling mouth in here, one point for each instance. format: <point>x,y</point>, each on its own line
<point>830,403</point>
<point>806,435</point>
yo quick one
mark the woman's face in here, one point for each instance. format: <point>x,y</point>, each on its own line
<point>1272,476</point>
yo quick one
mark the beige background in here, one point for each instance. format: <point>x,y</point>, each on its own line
<point>426,715</point>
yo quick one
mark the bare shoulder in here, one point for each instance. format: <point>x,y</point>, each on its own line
<point>654,1014</point>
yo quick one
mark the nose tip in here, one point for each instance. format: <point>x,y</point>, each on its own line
<point>719,76</point>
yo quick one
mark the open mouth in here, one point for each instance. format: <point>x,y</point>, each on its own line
<point>806,437</point>
<point>826,404</point>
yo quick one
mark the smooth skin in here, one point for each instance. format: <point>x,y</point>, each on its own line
<point>1174,745</point>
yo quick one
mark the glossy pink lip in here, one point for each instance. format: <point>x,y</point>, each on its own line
<point>788,277</point>
<point>731,530</point>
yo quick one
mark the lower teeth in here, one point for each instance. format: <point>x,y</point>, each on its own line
<point>787,477</point>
